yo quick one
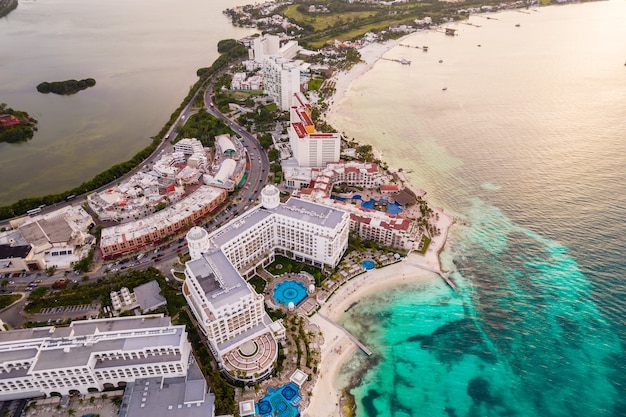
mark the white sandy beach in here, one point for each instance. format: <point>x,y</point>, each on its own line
<point>337,347</point>
<point>343,80</point>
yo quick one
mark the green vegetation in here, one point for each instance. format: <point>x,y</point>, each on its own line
<point>7,6</point>
<point>275,314</point>
<point>355,243</point>
<point>320,21</point>
<point>282,265</point>
<point>315,84</point>
<point>20,133</point>
<point>243,95</point>
<point>67,87</point>
<point>7,300</point>
<point>224,393</point>
<point>85,263</point>
<point>232,50</point>
<point>204,127</point>
<point>264,119</point>
<point>100,291</point>
<point>258,283</point>
<point>349,21</point>
<point>425,244</point>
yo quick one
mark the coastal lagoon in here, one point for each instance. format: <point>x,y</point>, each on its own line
<point>143,56</point>
<point>525,146</point>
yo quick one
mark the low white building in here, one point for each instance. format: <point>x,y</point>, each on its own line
<point>90,355</point>
<point>59,238</point>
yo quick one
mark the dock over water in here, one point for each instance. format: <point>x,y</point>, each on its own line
<point>445,277</point>
<point>401,61</point>
<point>354,340</point>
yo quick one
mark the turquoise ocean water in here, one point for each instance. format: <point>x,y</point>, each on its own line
<point>526,147</point>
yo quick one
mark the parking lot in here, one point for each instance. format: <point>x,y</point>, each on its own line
<point>68,309</point>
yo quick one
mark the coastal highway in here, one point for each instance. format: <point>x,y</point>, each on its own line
<point>247,195</point>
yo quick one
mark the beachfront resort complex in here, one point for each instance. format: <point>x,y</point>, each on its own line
<point>230,313</point>
<point>308,220</point>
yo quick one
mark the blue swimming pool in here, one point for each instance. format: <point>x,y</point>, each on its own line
<point>289,291</point>
<point>391,208</point>
<point>368,264</point>
<point>280,402</point>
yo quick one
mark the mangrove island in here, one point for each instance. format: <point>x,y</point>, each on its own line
<point>67,87</point>
<point>15,126</point>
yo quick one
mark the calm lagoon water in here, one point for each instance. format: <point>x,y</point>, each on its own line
<point>526,148</point>
<point>143,55</point>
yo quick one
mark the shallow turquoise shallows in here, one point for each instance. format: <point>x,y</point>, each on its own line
<point>526,149</point>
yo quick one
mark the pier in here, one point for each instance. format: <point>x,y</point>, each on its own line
<point>445,277</point>
<point>423,48</point>
<point>448,281</point>
<point>401,61</point>
<point>354,340</point>
<point>471,24</point>
<point>486,17</point>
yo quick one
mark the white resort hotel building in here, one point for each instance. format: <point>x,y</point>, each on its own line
<point>90,355</point>
<point>230,313</point>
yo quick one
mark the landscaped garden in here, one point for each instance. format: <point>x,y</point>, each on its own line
<point>284,265</point>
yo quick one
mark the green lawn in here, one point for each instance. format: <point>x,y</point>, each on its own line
<point>354,33</point>
<point>315,84</point>
<point>242,95</point>
<point>426,244</point>
<point>258,283</point>
<point>321,21</point>
<point>8,299</point>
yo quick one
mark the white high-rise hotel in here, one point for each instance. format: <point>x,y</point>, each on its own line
<point>230,312</point>
<point>310,148</point>
<point>90,355</point>
<point>281,79</point>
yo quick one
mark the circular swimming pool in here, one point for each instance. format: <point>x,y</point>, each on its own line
<point>368,264</point>
<point>289,291</point>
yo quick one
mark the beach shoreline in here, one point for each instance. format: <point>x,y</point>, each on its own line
<point>370,54</point>
<point>337,346</point>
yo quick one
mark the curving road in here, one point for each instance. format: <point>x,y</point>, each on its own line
<point>167,256</point>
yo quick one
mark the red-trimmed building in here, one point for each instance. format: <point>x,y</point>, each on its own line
<point>310,148</point>
<point>8,120</point>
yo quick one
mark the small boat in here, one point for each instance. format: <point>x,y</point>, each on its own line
<point>424,48</point>
<point>445,88</point>
<point>517,25</point>
<point>441,61</point>
<point>479,45</point>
